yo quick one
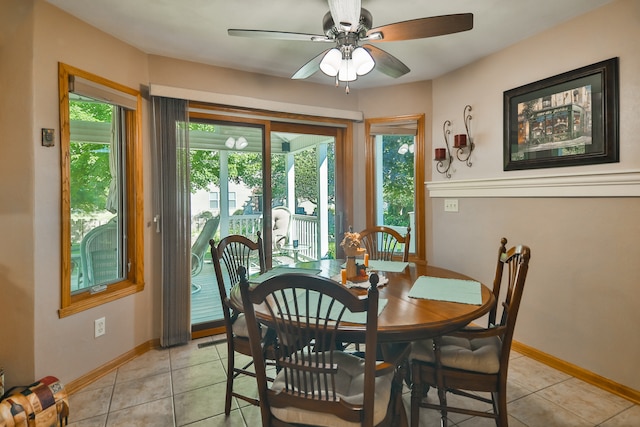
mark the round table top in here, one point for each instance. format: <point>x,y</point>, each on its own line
<point>404,319</point>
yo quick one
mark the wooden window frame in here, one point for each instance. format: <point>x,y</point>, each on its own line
<point>418,235</point>
<point>134,280</point>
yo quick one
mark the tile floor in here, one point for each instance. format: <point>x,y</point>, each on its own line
<point>185,386</point>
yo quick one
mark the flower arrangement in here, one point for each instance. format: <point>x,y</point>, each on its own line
<point>351,241</point>
<point>351,244</point>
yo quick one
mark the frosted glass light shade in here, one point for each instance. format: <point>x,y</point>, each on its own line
<point>362,61</point>
<point>330,64</point>
<point>347,71</point>
<point>230,142</point>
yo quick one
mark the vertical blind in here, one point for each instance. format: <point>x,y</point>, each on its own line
<point>171,201</point>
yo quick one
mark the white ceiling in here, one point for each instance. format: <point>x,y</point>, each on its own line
<point>196,30</point>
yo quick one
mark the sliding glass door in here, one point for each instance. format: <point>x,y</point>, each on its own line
<point>294,205</point>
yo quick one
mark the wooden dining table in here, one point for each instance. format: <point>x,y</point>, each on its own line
<point>403,319</point>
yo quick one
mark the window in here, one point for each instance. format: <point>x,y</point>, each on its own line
<point>394,180</point>
<point>102,249</point>
<point>214,200</point>
<point>232,200</point>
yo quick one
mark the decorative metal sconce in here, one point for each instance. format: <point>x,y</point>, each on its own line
<point>464,141</point>
<point>442,156</point>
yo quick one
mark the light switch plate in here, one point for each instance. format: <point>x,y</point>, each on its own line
<point>451,205</point>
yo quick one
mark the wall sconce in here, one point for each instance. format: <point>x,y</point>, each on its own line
<point>443,156</point>
<point>463,142</point>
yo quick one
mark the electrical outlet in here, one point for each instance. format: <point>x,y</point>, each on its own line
<point>451,205</point>
<point>100,327</point>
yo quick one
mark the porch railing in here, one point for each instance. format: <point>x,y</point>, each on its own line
<point>304,228</point>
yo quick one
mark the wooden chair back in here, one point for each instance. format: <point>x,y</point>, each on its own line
<point>232,252</point>
<point>516,263</point>
<point>306,311</point>
<point>384,243</point>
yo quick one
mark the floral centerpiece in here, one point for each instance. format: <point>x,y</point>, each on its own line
<point>351,246</point>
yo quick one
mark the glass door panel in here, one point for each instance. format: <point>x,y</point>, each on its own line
<point>226,198</point>
<point>303,197</point>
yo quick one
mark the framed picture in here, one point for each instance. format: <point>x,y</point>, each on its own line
<point>566,120</point>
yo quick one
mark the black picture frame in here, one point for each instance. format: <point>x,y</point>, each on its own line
<point>570,119</point>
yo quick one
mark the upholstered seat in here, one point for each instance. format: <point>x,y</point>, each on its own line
<point>348,387</point>
<point>478,355</point>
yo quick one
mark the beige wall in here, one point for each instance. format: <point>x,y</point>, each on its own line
<point>572,302</point>
<point>35,341</point>
<point>16,191</point>
<point>580,303</point>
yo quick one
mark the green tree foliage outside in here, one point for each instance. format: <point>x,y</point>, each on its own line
<point>397,180</point>
<point>89,162</point>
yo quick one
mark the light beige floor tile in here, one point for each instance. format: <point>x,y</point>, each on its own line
<point>428,417</point>
<point>488,422</point>
<point>99,421</point>
<point>197,376</point>
<point>141,390</point>
<point>627,418</point>
<point>153,362</point>
<point>251,416</point>
<point>190,354</point>
<point>158,413</point>
<point>246,386</point>
<point>233,420</point>
<point>106,381</point>
<point>536,411</point>
<point>587,401</point>
<point>197,405</point>
<point>89,403</point>
<point>534,375</point>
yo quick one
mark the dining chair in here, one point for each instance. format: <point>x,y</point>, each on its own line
<point>232,252</point>
<point>384,243</point>
<point>319,385</point>
<point>473,359</point>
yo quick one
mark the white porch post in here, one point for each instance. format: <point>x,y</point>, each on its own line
<point>224,193</point>
<point>323,198</point>
<point>378,191</point>
<point>291,194</point>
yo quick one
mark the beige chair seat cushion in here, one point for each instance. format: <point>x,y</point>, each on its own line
<point>240,329</point>
<point>477,355</point>
<point>349,386</point>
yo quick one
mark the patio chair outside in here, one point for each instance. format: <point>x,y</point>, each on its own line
<point>200,246</point>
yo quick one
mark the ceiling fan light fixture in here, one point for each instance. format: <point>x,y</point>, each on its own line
<point>330,64</point>
<point>347,71</point>
<point>230,142</point>
<point>362,61</point>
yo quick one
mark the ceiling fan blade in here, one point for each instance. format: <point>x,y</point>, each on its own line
<point>308,69</point>
<point>278,35</point>
<point>387,63</point>
<point>423,27</point>
<point>345,13</point>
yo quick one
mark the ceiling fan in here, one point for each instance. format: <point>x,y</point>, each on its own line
<point>348,25</point>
